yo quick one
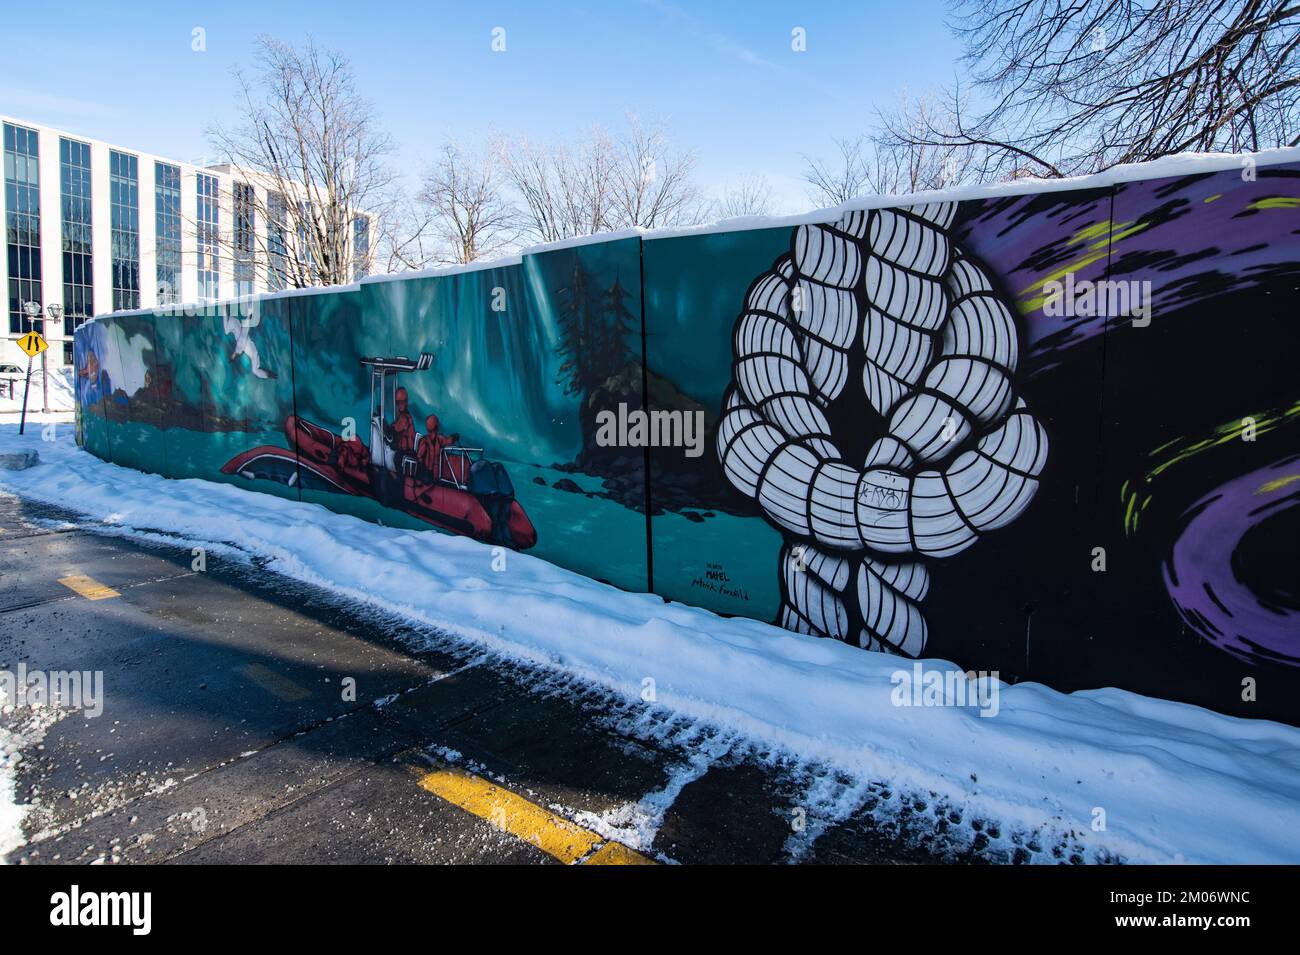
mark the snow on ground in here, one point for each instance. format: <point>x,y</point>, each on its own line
<point>61,392</point>
<point>26,729</point>
<point>11,813</point>
<point>1176,782</point>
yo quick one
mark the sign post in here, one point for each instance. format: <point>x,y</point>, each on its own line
<point>33,344</point>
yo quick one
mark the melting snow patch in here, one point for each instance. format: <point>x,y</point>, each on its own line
<point>25,728</point>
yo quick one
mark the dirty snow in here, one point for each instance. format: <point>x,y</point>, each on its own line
<point>1176,782</point>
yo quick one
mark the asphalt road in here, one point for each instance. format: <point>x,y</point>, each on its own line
<point>247,718</point>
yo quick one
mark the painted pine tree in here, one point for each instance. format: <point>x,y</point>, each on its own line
<point>617,325</point>
<point>577,324</point>
<point>594,325</point>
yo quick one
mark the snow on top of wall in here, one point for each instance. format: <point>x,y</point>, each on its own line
<point>1182,164</point>
<point>1167,167</point>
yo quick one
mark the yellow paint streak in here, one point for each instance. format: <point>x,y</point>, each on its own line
<point>554,835</point>
<point>1183,449</point>
<point>88,587</point>
<point>1099,236</point>
<point>1094,231</point>
<point>1268,487</point>
<point>1217,195</point>
<point>1276,202</point>
<point>1232,430</point>
<point>274,683</point>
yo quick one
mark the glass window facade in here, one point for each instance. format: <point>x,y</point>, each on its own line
<point>167,220</point>
<point>360,247</point>
<point>124,206</point>
<point>276,241</point>
<point>209,225</point>
<point>78,271</point>
<point>245,226</point>
<point>22,221</point>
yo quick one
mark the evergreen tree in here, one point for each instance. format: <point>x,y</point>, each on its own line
<point>576,344</point>
<point>617,325</point>
<point>594,326</point>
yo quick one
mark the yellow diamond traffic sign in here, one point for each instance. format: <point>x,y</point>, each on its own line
<point>33,344</point>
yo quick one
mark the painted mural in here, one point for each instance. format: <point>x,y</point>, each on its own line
<point>1053,434</point>
<point>1143,534</point>
<point>874,418</point>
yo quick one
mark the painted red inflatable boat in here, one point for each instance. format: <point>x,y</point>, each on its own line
<point>319,459</point>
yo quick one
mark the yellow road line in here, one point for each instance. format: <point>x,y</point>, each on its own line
<point>88,587</point>
<point>274,683</point>
<point>554,835</point>
<point>615,853</point>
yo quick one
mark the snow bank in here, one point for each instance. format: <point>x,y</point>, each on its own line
<point>62,397</point>
<point>1175,782</point>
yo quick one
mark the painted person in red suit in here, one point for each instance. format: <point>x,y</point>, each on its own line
<point>403,426</point>
<point>352,455</point>
<point>431,446</point>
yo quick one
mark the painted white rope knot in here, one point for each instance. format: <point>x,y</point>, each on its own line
<point>879,311</point>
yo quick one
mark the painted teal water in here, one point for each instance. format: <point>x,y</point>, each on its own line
<point>727,564</point>
<point>498,378</point>
<point>694,288</point>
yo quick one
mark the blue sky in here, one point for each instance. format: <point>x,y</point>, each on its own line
<point>722,75</point>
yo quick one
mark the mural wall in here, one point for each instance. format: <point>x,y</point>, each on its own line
<point>1051,434</point>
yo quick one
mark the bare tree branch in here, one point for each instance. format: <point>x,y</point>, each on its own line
<point>599,184</point>
<point>467,210</point>
<point>313,146</point>
<point>750,196</point>
<point>1076,86</point>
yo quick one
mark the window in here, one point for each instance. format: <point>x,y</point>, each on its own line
<point>124,204</point>
<point>167,217</point>
<point>209,222</point>
<point>360,247</point>
<point>22,221</point>
<point>245,223</point>
<point>78,274</point>
<point>276,241</point>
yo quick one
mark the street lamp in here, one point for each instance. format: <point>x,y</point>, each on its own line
<point>56,313</point>
<point>33,311</point>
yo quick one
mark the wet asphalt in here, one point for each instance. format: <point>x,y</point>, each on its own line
<point>248,718</point>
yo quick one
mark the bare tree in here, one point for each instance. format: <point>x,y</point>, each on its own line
<point>893,161</point>
<point>750,196</point>
<point>905,161</point>
<point>847,176</point>
<point>469,214</point>
<point>652,183</point>
<point>1079,86</point>
<point>407,236</point>
<point>312,145</point>
<point>563,190</point>
<point>599,184</point>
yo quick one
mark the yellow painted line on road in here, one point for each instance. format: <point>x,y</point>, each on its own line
<point>88,587</point>
<point>274,683</point>
<point>554,835</point>
<point>615,853</point>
